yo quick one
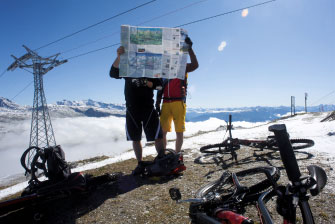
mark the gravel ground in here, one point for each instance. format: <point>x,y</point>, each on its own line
<point>146,200</point>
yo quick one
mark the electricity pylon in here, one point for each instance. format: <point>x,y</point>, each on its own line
<point>41,133</point>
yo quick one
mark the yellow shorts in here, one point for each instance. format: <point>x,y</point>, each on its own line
<point>174,110</point>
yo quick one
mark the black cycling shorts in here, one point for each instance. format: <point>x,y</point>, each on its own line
<point>145,118</point>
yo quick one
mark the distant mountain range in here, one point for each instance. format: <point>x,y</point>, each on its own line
<point>88,108</point>
<point>11,111</point>
<point>250,114</point>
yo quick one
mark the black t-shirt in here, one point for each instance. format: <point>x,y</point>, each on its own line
<point>136,96</point>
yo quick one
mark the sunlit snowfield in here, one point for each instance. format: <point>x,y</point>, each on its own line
<point>83,138</point>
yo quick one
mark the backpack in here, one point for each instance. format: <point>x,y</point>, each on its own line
<point>165,82</point>
<point>169,164</point>
<point>58,169</point>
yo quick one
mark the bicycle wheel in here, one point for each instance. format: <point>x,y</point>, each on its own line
<point>301,143</point>
<point>215,148</point>
<point>272,145</point>
<point>226,188</point>
<point>223,147</point>
<point>209,158</point>
<point>261,144</point>
<point>38,167</point>
<point>28,156</point>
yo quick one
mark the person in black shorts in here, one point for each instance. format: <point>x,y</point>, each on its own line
<point>140,113</point>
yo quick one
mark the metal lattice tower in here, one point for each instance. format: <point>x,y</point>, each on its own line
<point>41,133</point>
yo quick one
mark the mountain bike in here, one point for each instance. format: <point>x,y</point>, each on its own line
<point>42,189</point>
<point>230,145</point>
<point>230,192</point>
<point>269,143</point>
<point>37,197</point>
<point>28,156</point>
<point>294,194</point>
<point>225,200</point>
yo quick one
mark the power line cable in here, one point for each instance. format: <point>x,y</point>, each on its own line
<point>22,90</point>
<point>192,22</point>
<point>144,22</point>
<point>325,96</point>
<point>225,13</point>
<point>86,28</point>
<point>3,73</point>
<point>93,51</point>
<point>172,12</point>
<point>88,43</point>
<point>25,86</point>
<point>27,70</point>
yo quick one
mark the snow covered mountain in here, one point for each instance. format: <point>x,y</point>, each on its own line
<point>250,114</point>
<point>87,108</point>
<point>90,108</point>
<point>7,104</point>
<point>89,137</point>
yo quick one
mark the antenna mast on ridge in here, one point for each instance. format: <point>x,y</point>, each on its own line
<point>41,133</point>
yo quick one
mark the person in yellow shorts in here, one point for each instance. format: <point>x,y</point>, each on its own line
<point>176,111</point>
<point>174,101</point>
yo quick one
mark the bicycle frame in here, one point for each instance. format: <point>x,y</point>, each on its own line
<point>295,194</point>
<point>290,216</point>
<point>289,197</point>
<point>229,203</point>
<point>230,144</point>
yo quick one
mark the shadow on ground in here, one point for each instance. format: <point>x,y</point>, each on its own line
<point>225,161</point>
<point>69,209</point>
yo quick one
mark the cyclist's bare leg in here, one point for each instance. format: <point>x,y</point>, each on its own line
<point>137,146</point>
<point>164,139</point>
<point>160,146</point>
<point>179,141</point>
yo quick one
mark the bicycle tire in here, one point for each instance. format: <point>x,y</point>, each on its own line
<point>297,143</point>
<point>35,167</point>
<point>260,144</point>
<point>26,164</point>
<point>218,148</point>
<point>211,158</point>
<point>216,186</point>
<point>306,212</point>
<point>305,143</point>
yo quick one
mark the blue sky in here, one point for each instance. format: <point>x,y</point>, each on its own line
<point>263,57</point>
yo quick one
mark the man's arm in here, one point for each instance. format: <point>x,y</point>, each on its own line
<point>119,51</point>
<point>114,71</point>
<point>190,67</point>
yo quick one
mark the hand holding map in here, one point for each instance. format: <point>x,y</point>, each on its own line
<point>153,52</point>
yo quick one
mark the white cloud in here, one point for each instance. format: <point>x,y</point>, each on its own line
<point>80,138</point>
<point>222,46</point>
<point>101,131</point>
<point>245,12</point>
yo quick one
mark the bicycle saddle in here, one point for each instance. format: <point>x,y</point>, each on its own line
<point>320,177</point>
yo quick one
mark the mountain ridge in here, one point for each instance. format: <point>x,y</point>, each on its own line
<point>92,108</point>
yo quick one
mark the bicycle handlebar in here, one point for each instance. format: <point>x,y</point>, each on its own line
<point>293,173</point>
<point>286,152</point>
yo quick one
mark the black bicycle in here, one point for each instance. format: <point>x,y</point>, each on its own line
<point>28,156</point>
<point>294,194</point>
<point>269,143</point>
<point>230,145</point>
<point>231,193</point>
<point>44,188</point>
<point>225,200</point>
